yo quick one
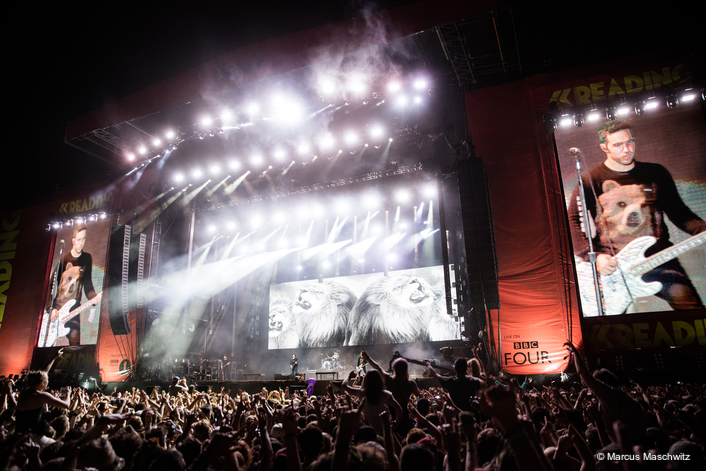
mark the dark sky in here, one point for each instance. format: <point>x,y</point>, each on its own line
<point>70,58</point>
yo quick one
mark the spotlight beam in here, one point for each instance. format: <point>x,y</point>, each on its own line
<point>216,187</point>
<point>231,188</point>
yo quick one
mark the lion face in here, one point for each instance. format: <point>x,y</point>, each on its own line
<point>411,292</point>
<point>281,318</point>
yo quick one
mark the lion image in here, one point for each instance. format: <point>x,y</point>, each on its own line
<point>399,310</point>
<point>321,312</point>
<point>282,331</point>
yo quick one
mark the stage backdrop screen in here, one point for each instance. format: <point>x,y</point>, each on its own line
<point>402,306</point>
<point>73,302</point>
<point>645,186</point>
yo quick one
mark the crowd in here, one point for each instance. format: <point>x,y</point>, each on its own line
<point>469,422</point>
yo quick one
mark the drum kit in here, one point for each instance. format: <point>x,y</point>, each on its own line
<point>332,362</point>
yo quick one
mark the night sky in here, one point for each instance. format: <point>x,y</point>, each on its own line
<point>66,59</point>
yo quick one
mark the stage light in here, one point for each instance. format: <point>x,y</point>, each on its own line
<point>156,142</point>
<point>212,229</point>
<point>196,173</point>
<point>351,137</point>
<point>417,99</point>
<point>303,148</point>
<point>651,104</point>
<point>376,131</point>
<point>130,157</point>
<point>402,196</point>
<point>234,164</point>
<point>206,121</point>
<point>578,120</point>
<point>623,110</point>
<point>253,109</point>
<point>420,84</point>
<point>170,134</point>
<point>672,101</point>
<point>328,87</point>
<point>390,139</point>
<point>142,150</point>
<point>231,226</point>
<point>280,154</point>
<point>429,190</point>
<point>80,220</point>
<point>226,115</point>
<point>215,169</point>
<point>394,87</point>
<point>565,121</point>
<point>402,101</point>
<point>688,97</point>
<point>256,159</point>
<point>327,141</point>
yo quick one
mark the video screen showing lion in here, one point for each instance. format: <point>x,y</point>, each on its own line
<point>406,306</point>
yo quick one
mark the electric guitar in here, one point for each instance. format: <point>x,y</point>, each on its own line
<point>625,283</point>
<point>52,330</point>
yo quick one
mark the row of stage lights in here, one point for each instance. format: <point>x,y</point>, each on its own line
<point>623,109</point>
<point>342,208</point>
<point>290,111</point>
<point>280,156</point>
<point>77,220</point>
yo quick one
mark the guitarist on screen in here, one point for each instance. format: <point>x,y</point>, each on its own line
<point>75,271</point>
<point>629,199</point>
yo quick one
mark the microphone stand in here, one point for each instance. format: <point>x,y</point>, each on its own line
<point>589,234</point>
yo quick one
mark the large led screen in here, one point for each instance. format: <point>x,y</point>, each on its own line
<point>73,303</point>
<point>398,307</point>
<point>645,190</point>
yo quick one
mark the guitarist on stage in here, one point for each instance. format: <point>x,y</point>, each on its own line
<point>628,199</point>
<point>74,279</point>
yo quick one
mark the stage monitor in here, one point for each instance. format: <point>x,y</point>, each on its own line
<point>644,176</point>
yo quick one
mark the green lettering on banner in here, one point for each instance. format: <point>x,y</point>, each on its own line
<point>665,78</point>
<point>623,335</point>
<point>661,335</point>
<point>675,73</point>
<point>5,271</point>
<point>641,336</point>
<point>615,89</point>
<point>3,287</point>
<point>633,84</point>
<point>700,334</point>
<point>597,94</point>
<point>598,336</point>
<point>6,238</point>
<point>582,94</point>
<point>7,225</point>
<point>679,327</point>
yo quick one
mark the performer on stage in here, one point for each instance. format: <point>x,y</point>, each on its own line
<point>75,271</point>
<point>361,364</point>
<point>294,364</point>
<point>628,199</point>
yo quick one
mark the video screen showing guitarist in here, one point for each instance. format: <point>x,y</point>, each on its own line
<point>74,279</point>
<point>628,202</point>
